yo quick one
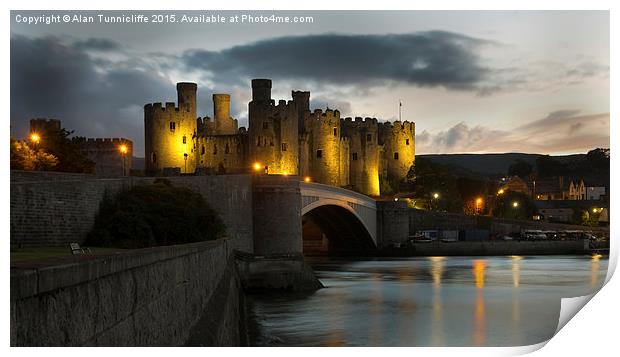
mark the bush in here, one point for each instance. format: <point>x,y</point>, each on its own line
<point>153,215</point>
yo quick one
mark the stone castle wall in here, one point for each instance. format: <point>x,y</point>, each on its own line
<point>107,156</point>
<point>49,210</point>
<point>223,153</point>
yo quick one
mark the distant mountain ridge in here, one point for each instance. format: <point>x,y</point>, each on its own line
<point>491,164</point>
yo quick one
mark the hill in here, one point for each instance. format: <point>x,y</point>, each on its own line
<point>491,164</point>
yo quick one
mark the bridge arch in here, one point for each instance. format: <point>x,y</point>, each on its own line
<point>336,221</point>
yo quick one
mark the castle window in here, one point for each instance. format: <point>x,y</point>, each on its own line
<point>368,138</point>
<point>173,125</point>
<point>184,139</point>
<point>395,156</point>
<point>265,125</point>
<point>153,158</point>
<point>202,151</point>
<point>215,149</point>
<point>354,156</point>
<point>335,131</point>
<point>319,154</point>
<point>284,146</point>
<point>407,141</point>
<point>226,149</point>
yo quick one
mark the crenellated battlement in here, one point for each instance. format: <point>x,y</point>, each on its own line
<point>359,123</point>
<point>108,141</point>
<point>157,107</point>
<point>397,126</point>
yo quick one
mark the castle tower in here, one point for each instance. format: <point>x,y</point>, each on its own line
<point>302,101</point>
<point>186,94</point>
<point>273,131</point>
<point>261,90</point>
<point>224,123</point>
<point>322,131</point>
<point>398,140</point>
<point>169,132</point>
<point>364,154</point>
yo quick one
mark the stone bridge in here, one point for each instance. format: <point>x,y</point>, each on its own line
<point>315,195</point>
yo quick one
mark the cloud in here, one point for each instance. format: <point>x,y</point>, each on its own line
<point>97,44</point>
<point>428,59</point>
<point>562,131</point>
<point>53,79</point>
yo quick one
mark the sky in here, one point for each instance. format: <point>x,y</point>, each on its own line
<point>472,81</point>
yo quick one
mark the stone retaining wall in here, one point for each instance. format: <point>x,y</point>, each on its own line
<point>163,296</point>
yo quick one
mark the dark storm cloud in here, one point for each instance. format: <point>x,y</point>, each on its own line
<point>97,44</point>
<point>432,58</point>
<point>56,80</point>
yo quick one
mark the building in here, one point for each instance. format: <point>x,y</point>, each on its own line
<point>283,138</point>
<point>516,184</point>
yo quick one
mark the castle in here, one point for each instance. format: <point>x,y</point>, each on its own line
<point>104,152</point>
<point>284,138</point>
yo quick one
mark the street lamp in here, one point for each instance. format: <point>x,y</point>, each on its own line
<point>435,197</point>
<point>307,179</point>
<point>123,150</point>
<point>35,138</point>
<point>478,204</point>
<point>515,204</point>
<point>257,166</point>
<point>185,156</point>
<point>501,191</point>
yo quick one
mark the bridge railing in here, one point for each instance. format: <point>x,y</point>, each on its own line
<point>320,190</point>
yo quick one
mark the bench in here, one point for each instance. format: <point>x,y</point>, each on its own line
<point>76,249</point>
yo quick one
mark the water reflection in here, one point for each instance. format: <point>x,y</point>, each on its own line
<point>434,301</point>
<point>480,328</point>
<point>437,269</point>
<point>595,270</point>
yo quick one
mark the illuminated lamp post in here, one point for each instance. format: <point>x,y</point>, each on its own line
<point>185,157</point>
<point>123,150</point>
<point>307,179</point>
<point>478,205</point>
<point>436,199</point>
<point>35,138</point>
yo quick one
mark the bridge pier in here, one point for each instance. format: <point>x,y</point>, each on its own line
<point>392,222</point>
<point>277,215</point>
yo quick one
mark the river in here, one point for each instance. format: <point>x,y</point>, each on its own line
<point>426,301</point>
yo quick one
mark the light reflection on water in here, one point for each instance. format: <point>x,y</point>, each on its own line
<point>433,301</point>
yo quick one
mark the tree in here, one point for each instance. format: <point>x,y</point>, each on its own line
<point>515,205</point>
<point>66,150</point>
<point>598,160</point>
<point>152,215</point>
<point>24,157</point>
<point>520,168</point>
<point>426,178</point>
